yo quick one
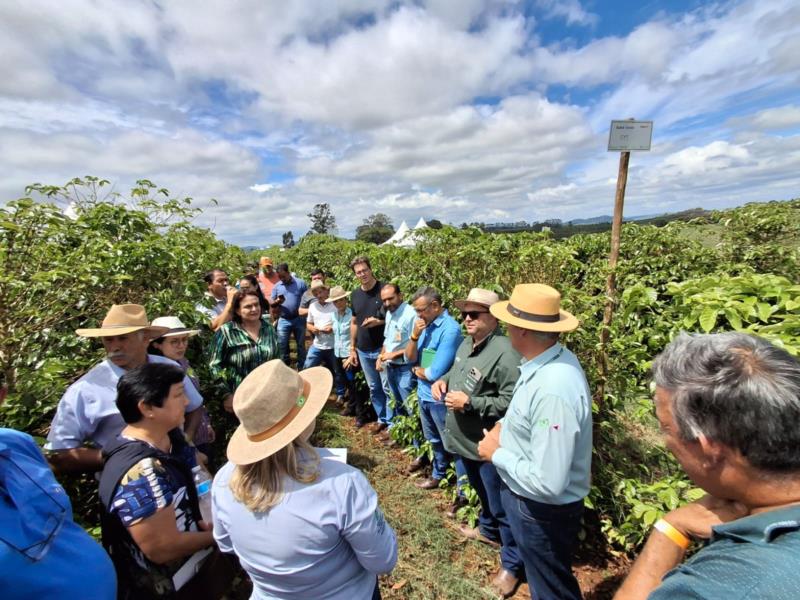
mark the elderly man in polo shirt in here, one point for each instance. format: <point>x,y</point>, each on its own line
<point>728,405</point>
<point>542,448</point>
<point>476,392</point>
<point>87,412</point>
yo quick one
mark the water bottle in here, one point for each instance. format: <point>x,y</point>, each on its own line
<point>202,480</point>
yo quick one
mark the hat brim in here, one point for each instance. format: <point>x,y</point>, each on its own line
<point>153,332</point>
<point>183,331</point>
<point>566,321</point>
<point>335,298</point>
<point>460,304</point>
<point>243,451</point>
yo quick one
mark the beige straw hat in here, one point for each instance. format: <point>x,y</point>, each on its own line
<point>535,306</point>
<point>337,293</point>
<point>318,283</point>
<point>175,326</point>
<point>478,296</point>
<point>275,404</point>
<point>122,319</point>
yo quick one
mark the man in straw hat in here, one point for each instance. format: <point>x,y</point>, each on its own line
<point>542,448</point>
<point>87,412</point>
<point>302,527</point>
<point>477,391</point>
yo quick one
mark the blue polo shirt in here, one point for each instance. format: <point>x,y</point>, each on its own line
<point>293,294</point>
<point>43,553</point>
<point>754,557</point>
<point>443,335</point>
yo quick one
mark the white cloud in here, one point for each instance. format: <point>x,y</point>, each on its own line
<point>782,117</point>
<point>569,10</point>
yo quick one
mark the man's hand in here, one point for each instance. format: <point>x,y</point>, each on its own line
<point>227,403</point>
<point>370,322</point>
<point>456,401</point>
<point>353,358</point>
<point>439,389</point>
<point>420,373</point>
<point>378,364</point>
<point>419,326</point>
<point>231,293</point>
<point>326,329</point>
<point>696,519</point>
<point>490,443</point>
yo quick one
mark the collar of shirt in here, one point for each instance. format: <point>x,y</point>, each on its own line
<point>529,368</point>
<point>763,527</point>
<point>476,348</point>
<point>438,320</point>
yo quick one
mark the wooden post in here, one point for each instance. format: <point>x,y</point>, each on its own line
<point>611,288</point>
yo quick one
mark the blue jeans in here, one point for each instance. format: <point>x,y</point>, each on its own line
<point>287,327</point>
<point>433,416</point>
<point>401,382</point>
<point>492,520</point>
<point>546,535</point>
<point>376,380</point>
<point>318,356</point>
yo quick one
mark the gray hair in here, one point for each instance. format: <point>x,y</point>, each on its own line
<point>428,293</point>
<point>739,390</point>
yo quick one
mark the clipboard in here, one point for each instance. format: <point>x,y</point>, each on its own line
<point>426,360</point>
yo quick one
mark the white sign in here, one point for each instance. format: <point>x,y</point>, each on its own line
<point>630,135</point>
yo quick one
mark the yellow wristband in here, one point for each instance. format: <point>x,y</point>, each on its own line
<point>414,339</point>
<point>672,533</point>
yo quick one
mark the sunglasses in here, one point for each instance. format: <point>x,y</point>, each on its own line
<point>473,314</point>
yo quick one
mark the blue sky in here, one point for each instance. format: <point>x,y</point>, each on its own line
<point>461,110</point>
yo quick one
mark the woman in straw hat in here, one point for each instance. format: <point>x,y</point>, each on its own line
<point>173,344</point>
<point>302,527</point>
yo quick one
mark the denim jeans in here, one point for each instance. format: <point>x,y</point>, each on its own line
<point>433,416</point>
<point>318,356</point>
<point>296,327</point>
<point>546,535</point>
<point>492,520</point>
<point>401,382</point>
<point>376,380</point>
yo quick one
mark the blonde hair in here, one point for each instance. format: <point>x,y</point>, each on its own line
<point>259,486</point>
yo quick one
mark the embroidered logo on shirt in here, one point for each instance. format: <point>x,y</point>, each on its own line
<point>544,423</point>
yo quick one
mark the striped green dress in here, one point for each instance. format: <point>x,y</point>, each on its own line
<point>234,353</point>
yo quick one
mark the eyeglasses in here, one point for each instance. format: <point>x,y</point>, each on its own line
<point>423,309</point>
<point>473,314</point>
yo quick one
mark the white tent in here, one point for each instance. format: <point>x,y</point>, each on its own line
<point>404,236</point>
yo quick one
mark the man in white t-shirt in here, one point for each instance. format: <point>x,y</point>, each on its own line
<point>320,323</point>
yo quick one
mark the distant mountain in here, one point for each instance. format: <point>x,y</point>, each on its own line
<point>592,220</point>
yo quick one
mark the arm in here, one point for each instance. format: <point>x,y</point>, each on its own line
<point>365,528</point>
<point>160,541</point>
<point>353,334</point>
<point>309,320</point>
<point>191,423</point>
<point>546,467</point>
<point>661,554</point>
<point>227,312</point>
<point>68,431</point>
<point>445,354</point>
<point>75,460</point>
<point>411,349</point>
<point>218,360</point>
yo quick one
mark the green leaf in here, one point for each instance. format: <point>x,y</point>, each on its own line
<point>708,319</point>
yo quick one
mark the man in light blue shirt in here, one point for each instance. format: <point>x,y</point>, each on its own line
<point>87,412</point>
<point>432,345</point>
<point>542,448</point>
<point>288,292</point>
<point>397,329</point>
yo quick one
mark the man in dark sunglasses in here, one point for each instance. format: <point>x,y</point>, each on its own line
<point>476,392</point>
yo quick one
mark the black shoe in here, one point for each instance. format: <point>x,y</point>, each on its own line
<point>347,412</point>
<point>360,423</point>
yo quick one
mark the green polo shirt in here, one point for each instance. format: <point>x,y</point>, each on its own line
<point>753,557</point>
<point>487,373</point>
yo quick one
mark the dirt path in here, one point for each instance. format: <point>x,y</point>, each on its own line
<point>435,562</point>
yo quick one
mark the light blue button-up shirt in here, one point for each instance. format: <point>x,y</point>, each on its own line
<point>545,449</point>
<point>341,333</point>
<point>444,336</point>
<point>87,412</point>
<point>397,330</point>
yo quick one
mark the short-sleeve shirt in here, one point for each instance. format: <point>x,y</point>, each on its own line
<point>87,412</point>
<point>211,307</point>
<point>397,330</point>
<point>321,315</point>
<point>326,539</point>
<point>43,552</point>
<point>754,557</point>
<point>341,333</point>
<point>368,304</point>
<point>267,283</point>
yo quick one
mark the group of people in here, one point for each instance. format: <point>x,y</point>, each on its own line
<point>512,411</point>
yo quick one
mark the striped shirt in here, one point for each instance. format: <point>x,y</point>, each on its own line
<point>341,333</point>
<point>235,354</point>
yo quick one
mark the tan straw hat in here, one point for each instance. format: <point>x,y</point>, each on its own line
<point>337,293</point>
<point>317,284</point>
<point>175,326</point>
<point>122,319</point>
<point>535,306</point>
<point>478,296</point>
<point>275,404</point>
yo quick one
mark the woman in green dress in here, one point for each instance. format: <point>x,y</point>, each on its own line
<point>242,344</point>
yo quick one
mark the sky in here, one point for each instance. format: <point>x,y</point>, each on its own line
<point>459,110</point>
